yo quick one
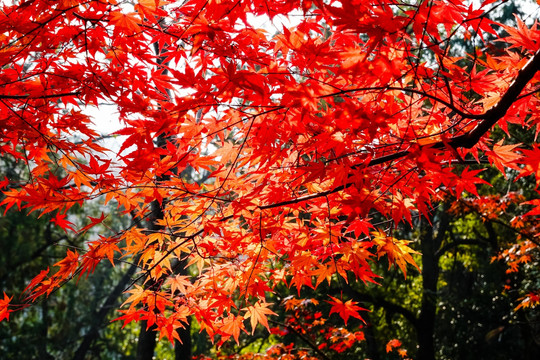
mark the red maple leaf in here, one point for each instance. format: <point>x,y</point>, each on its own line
<point>346,309</point>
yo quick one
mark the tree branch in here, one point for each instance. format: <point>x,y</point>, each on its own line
<point>496,112</point>
<point>456,243</point>
<point>26,97</point>
<point>468,140</point>
<point>362,297</point>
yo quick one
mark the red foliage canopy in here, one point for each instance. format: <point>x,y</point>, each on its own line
<point>299,119</point>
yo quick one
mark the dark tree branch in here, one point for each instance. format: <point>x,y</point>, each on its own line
<point>28,97</point>
<point>467,140</point>
<point>408,90</point>
<point>496,112</point>
<point>457,243</point>
<point>378,301</point>
<point>502,223</point>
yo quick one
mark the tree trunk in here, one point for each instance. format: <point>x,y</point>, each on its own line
<point>430,243</point>
<point>182,350</point>
<point>426,320</point>
<point>99,318</point>
<point>44,331</point>
<point>371,340</point>
<point>147,335</point>
<point>147,342</point>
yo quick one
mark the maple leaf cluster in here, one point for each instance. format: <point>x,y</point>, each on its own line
<point>294,138</point>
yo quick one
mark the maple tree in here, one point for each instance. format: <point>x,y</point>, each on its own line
<point>298,139</point>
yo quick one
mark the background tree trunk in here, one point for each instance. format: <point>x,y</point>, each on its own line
<point>99,318</point>
<point>147,342</point>
<point>430,242</point>
<point>182,350</point>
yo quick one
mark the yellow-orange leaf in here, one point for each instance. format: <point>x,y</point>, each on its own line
<point>397,250</point>
<point>257,315</point>
<point>232,325</point>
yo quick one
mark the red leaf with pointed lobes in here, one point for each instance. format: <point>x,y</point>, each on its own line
<point>127,24</point>
<point>130,315</point>
<point>536,210</point>
<point>36,280</point>
<point>4,307</point>
<point>68,265</point>
<point>360,227</point>
<point>504,156</point>
<point>60,220</point>
<point>4,183</point>
<point>346,309</point>
<point>522,36</point>
<point>531,163</point>
<point>467,181</point>
<point>93,222</point>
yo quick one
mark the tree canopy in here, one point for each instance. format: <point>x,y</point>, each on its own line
<point>264,144</point>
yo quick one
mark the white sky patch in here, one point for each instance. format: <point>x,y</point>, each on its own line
<point>531,10</point>
<point>529,7</point>
<point>106,122</point>
<point>277,24</point>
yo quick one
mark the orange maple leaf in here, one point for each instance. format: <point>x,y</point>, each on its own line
<point>394,343</point>
<point>397,250</point>
<point>179,283</point>
<point>257,315</point>
<point>232,326</point>
<point>125,23</point>
<point>503,156</point>
<point>137,295</point>
<point>531,300</point>
<point>68,265</point>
